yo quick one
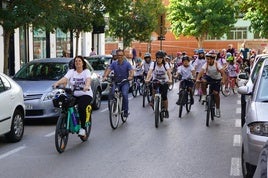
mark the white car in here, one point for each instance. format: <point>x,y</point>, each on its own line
<point>12,109</point>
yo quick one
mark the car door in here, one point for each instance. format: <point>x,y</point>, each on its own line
<point>5,106</point>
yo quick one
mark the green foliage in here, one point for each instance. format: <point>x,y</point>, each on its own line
<point>201,18</point>
<point>134,20</point>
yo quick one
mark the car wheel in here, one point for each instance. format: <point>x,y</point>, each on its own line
<point>17,127</point>
<point>247,169</point>
<point>243,109</point>
<point>97,100</point>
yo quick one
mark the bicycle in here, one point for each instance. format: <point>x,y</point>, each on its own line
<point>159,109</point>
<point>146,94</point>
<point>184,98</point>
<point>115,103</point>
<point>137,85</point>
<point>210,103</point>
<point>68,121</point>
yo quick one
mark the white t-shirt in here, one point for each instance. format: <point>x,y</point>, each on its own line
<point>213,71</point>
<point>146,66</point>
<point>160,73</point>
<point>198,64</point>
<point>78,80</point>
<point>186,72</point>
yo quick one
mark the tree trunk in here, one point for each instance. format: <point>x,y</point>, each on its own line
<point>77,34</point>
<point>7,35</point>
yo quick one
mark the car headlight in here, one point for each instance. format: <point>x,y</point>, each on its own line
<point>259,128</point>
<point>50,95</point>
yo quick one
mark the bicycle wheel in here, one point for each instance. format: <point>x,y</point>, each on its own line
<point>188,102</point>
<point>141,88</point>
<point>156,111</point>
<point>212,108</point>
<point>61,133</point>
<point>144,95</point>
<point>114,114</point>
<point>208,105</point>
<point>88,130</point>
<point>225,90</point>
<point>181,101</point>
<point>134,89</point>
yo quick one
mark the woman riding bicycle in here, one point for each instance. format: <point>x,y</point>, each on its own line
<point>79,79</point>
<point>159,70</point>
<point>214,74</point>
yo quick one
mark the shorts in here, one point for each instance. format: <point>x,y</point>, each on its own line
<point>186,84</point>
<point>215,83</point>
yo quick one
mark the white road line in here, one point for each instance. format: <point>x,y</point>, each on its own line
<point>235,167</point>
<point>237,140</point>
<point>238,123</point>
<point>50,134</point>
<point>238,102</point>
<point>238,110</point>
<point>12,152</point>
<point>106,109</point>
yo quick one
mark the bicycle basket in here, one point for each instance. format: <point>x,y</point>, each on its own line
<point>63,100</point>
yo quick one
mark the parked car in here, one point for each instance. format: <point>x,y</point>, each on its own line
<point>250,79</point>
<point>99,64</point>
<point>255,129</point>
<point>12,109</point>
<point>36,79</point>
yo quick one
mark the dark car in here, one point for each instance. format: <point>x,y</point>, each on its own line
<point>36,79</point>
<point>99,64</point>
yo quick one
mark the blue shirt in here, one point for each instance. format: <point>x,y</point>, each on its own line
<point>121,71</point>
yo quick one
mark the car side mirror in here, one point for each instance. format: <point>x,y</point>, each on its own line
<point>244,90</point>
<point>243,76</point>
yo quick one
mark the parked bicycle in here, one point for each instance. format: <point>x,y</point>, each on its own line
<point>115,103</point>
<point>185,97</point>
<point>159,110</point>
<point>68,121</point>
<point>137,86</point>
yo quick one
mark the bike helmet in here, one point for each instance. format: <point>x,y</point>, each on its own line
<point>160,54</point>
<point>212,54</point>
<point>185,58</point>
<point>147,55</point>
<point>178,53</point>
<point>201,50</point>
<point>139,60</point>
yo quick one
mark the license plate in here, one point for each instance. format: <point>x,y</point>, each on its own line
<point>28,107</point>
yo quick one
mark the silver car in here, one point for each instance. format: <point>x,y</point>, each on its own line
<point>36,79</point>
<point>255,129</point>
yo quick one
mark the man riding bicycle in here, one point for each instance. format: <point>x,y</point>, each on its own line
<point>122,70</point>
<point>214,74</point>
<point>159,70</point>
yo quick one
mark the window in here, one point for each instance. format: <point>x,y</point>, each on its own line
<point>237,33</point>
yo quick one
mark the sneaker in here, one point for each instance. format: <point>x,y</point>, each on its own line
<point>218,113</point>
<point>203,98</point>
<point>82,132</point>
<point>196,92</point>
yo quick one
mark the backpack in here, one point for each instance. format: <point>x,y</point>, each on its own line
<point>164,64</point>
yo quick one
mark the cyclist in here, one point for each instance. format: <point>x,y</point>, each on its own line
<point>213,72</point>
<point>80,79</point>
<point>232,70</point>
<point>186,71</point>
<point>138,71</point>
<point>122,70</point>
<point>146,66</point>
<point>199,62</point>
<point>160,70</point>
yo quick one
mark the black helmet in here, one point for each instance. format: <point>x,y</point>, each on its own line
<point>147,55</point>
<point>160,53</point>
<point>185,58</point>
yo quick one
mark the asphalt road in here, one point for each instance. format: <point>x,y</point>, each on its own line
<point>179,148</point>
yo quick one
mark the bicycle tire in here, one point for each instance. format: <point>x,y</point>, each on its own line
<point>113,115</point>
<point>134,90</point>
<point>208,105</point>
<point>143,98</point>
<point>212,108</point>
<point>61,133</point>
<point>171,86</point>
<point>188,102</point>
<point>226,91</point>
<point>156,111</point>
<point>181,102</point>
<point>88,130</point>
<point>141,89</point>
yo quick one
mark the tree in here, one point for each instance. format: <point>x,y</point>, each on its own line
<point>257,12</point>
<point>201,18</point>
<point>134,20</point>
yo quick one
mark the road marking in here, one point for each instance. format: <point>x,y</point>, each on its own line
<point>238,102</point>
<point>106,109</point>
<point>238,110</point>
<point>237,140</point>
<point>238,123</point>
<point>235,167</point>
<point>12,152</point>
<point>50,134</point>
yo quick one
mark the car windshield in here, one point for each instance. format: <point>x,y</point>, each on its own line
<point>263,85</point>
<point>42,71</point>
<point>257,68</point>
